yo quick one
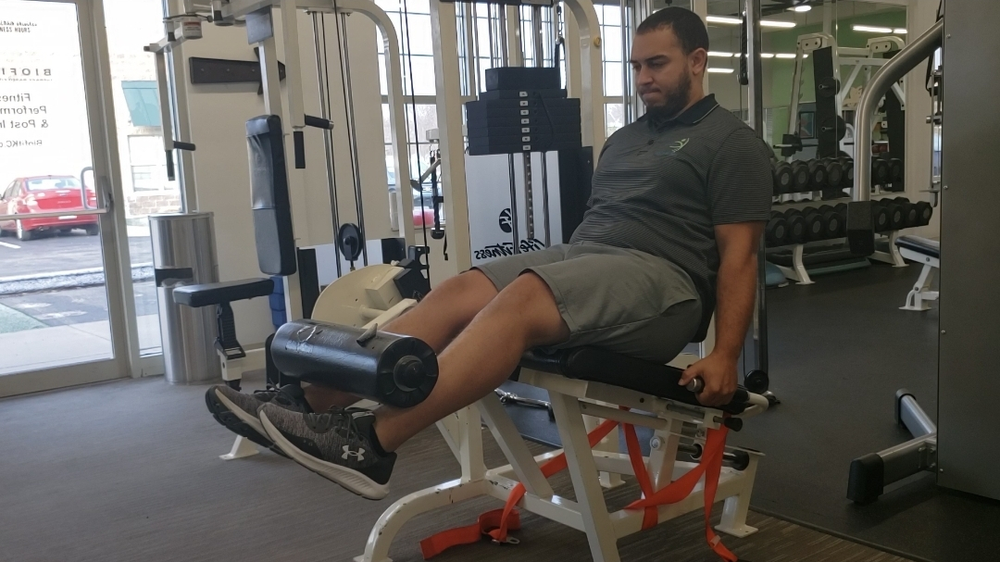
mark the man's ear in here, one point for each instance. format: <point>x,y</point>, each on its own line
<point>699,61</point>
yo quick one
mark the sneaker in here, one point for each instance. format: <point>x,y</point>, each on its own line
<point>336,445</point>
<point>238,411</point>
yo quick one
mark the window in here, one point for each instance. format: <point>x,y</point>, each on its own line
<point>145,157</point>
<point>56,182</point>
<point>610,18</point>
<point>412,21</point>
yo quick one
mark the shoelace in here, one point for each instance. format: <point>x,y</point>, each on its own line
<point>337,417</point>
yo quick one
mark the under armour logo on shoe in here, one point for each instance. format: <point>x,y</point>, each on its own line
<point>358,455</point>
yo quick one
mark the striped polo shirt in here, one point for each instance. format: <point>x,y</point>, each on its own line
<point>661,186</point>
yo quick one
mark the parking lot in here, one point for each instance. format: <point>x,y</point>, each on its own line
<point>58,253</point>
<point>55,261</point>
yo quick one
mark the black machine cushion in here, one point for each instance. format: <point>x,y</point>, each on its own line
<point>600,365</point>
<point>931,248</point>
<point>206,294</point>
<point>272,212</point>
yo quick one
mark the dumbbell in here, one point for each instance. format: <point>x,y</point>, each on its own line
<point>777,230</point>
<point>880,171</point>
<point>848,165</point>
<point>924,212</point>
<point>817,175</point>
<point>895,170</point>
<point>834,224</point>
<point>896,220</point>
<point>880,216</point>
<point>897,216</point>
<point>796,226</point>
<point>910,216</point>
<point>800,175</point>
<point>782,172</point>
<point>816,226</point>
<point>834,173</point>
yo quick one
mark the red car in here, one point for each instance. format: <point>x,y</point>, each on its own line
<point>47,194</point>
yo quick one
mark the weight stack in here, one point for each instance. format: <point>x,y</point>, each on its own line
<point>523,110</point>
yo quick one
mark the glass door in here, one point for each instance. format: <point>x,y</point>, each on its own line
<point>62,296</point>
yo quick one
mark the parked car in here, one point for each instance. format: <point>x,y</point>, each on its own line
<point>47,194</point>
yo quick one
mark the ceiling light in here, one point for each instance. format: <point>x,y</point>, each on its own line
<point>900,30</point>
<point>737,21</point>
<point>871,29</point>
<point>785,55</point>
<point>721,70</point>
<point>722,19</point>
<point>767,55</point>
<point>802,8</point>
<point>720,54</point>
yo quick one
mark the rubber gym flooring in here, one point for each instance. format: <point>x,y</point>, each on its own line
<point>129,470</point>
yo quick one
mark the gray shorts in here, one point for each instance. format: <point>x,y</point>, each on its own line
<point>623,300</point>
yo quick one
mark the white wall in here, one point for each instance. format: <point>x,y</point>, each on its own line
<point>217,117</point>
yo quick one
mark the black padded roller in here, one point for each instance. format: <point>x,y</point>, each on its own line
<point>389,368</point>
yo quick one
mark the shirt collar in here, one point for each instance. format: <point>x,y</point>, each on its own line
<point>692,115</point>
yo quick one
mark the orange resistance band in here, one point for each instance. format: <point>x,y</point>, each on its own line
<point>496,524</point>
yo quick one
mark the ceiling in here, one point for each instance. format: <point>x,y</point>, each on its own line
<point>778,9</point>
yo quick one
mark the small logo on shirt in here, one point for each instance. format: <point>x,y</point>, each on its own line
<point>678,145</point>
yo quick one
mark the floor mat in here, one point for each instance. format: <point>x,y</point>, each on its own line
<point>839,350</point>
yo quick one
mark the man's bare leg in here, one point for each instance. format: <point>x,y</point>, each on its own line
<point>437,320</point>
<point>524,315</point>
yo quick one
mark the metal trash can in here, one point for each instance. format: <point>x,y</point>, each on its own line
<point>184,254</point>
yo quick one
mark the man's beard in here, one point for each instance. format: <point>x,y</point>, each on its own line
<point>674,101</point>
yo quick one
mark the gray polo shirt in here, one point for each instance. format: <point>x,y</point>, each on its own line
<point>661,187</point>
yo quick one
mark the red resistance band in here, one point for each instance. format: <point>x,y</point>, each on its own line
<point>495,524</point>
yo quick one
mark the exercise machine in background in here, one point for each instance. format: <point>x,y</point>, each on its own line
<point>958,449</point>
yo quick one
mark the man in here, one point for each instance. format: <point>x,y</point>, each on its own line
<point>679,202</point>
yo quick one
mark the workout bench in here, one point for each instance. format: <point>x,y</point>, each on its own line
<point>579,383</point>
<point>927,252</point>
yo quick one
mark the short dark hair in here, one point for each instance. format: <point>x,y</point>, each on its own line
<point>686,25</point>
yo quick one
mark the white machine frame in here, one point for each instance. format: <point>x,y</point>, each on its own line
<point>184,24</point>
<point>918,297</point>
<point>571,401</point>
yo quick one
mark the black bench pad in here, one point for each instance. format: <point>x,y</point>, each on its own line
<point>206,294</point>
<point>600,365</point>
<point>931,248</point>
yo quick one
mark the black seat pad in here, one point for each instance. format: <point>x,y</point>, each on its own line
<point>600,365</point>
<point>931,248</point>
<point>206,294</point>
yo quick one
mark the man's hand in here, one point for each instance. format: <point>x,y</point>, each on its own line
<point>720,376</point>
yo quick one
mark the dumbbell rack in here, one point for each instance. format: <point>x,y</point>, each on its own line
<point>798,272</point>
<point>812,183</point>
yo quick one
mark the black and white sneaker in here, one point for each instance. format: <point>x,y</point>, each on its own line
<point>238,411</point>
<point>337,445</point>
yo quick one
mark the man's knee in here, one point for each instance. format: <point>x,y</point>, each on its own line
<point>471,286</point>
<point>457,300</point>
<point>530,300</point>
